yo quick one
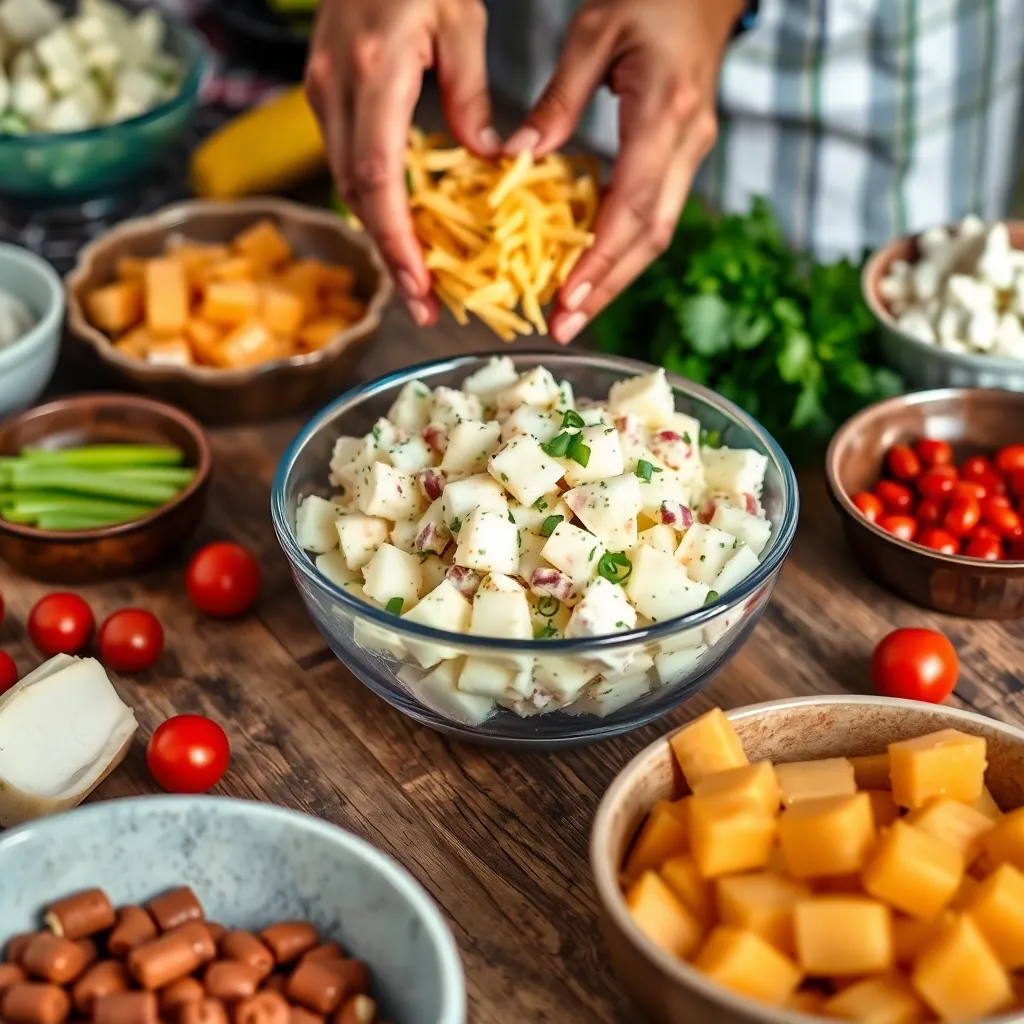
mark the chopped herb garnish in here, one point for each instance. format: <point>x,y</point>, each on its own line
<point>504,478</point>
<point>540,505</point>
<point>686,437</point>
<point>711,438</point>
<point>456,525</point>
<point>394,606</point>
<point>573,419</point>
<point>376,434</point>
<point>645,470</point>
<point>511,518</point>
<point>558,446</point>
<point>615,567</point>
<point>548,606</point>
<point>544,632</point>
<point>519,539</point>
<point>548,526</point>
<point>578,451</point>
<point>712,596</point>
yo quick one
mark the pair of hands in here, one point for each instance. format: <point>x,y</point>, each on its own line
<point>660,57</point>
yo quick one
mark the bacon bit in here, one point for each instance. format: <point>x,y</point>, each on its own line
<point>752,505</point>
<point>668,436</point>
<point>675,514</point>
<point>707,510</point>
<point>432,483</point>
<point>465,581</point>
<point>630,426</point>
<point>436,437</point>
<point>547,582</point>
<point>671,448</point>
<point>433,537</point>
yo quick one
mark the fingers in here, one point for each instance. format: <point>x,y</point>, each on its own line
<point>462,79</point>
<point>586,55</point>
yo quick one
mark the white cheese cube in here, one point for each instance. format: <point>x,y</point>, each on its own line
<point>60,59</point>
<point>332,564</point>
<point>609,509</point>
<point>103,58</point>
<point>385,492</point>
<point>497,374</point>
<point>527,419</point>
<point>648,397</point>
<point>596,416</point>
<point>314,524</point>
<point>392,573</point>
<point>995,265</point>
<point>951,326</point>
<point>605,457</point>
<point>135,91</point>
<point>486,677</point>
<point>432,531</point>
<point>743,562</point>
<point>442,608</point>
<point>660,537</point>
<point>606,696</point>
<point>678,449</point>
<point>754,531</point>
<point>967,293</point>
<point>530,547</point>
<point>72,114</point>
<point>1009,337</point>
<point>25,21</point>
<point>660,588</point>
<point>524,469</point>
<point>734,470</point>
<point>461,497</point>
<point>932,241</point>
<point>562,678</point>
<point>675,668</point>
<point>449,407</point>
<point>404,533</point>
<point>434,570</point>
<point>488,542</point>
<point>439,691</point>
<point>574,552</point>
<point>536,387</point>
<point>531,517</point>
<point>663,488</point>
<point>704,550</point>
<point>604,611</point>
<point>359,536</point>
<point>470,444</point>
<point>411,409</point>
<point>410,454</point>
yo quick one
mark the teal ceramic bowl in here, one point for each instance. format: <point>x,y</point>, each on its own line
<point>250,864</point>
<point>53,169</point>
<point>26,365</point>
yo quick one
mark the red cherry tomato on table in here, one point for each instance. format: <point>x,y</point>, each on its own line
<point>1010,459</point>
<point>1002,519</point>
<point>870,505</point>
<point>131,640</point>
<point>939,540</point>
<point>937,482</point>
<point>8,672</point>
<point>990,549</point>
<point>930,512</point>
<point>963,516</point>
<point>895,497</point>
<point>933,453</point>
<point>968,489</point>
<point>903,462</point>
<point>188,754</point>
<point>223,579</point>
<point>60,624</point>
<point>916,664</point>
<point>904,527</point>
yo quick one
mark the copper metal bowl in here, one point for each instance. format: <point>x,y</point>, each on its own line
<point>263,392</point>
<point>85,556</point>
<point>973,421</point>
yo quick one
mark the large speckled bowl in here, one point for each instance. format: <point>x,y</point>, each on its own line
<point>670,991</point>
<point>249,864</point>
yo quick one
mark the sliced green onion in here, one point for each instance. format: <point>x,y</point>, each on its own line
<point>615,567</point>
<point>712,596</point>
<point>578,451</point>
<point>456,525</point>
<point>572,418</point>
<point>645,470</point>
<point>711,438</point>
<point>540,505</point>
<point>544,632</point>
<point>558,446</point>
<point>394,606</point>
<point>548,526</point>
<point>548,606</point>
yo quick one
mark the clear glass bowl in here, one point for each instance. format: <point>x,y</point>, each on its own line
<point>69,167</point>
<point>689,650</point>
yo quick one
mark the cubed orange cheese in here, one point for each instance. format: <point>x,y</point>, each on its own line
<point>987,805</point>
<point>947,763</point>
<point>871,771</point>
<point>848,885</point>
<point>662,917</point>
<point>282,310</point>
<point>761,902</point>
<point>170,352</point>
<point>886,999</point>
<point>320,331</point>
<point>115,307</point>
<point>959,976</point>
<point>1004,842</point>
<point>746,963</point>
<point>729,835</point>
<point>843,935</point>
<point>996,906</point>
<point>196,256</point>
<point>909,936</point>
<point>264,244</point>
<point>130,268</point>
<point>956,824</point>
<point>167,297</point>
<point>810,1001</point>
<point>348,308</point>
<point>135,343</point>
<point>815,780</point>
<point>913,871</point>
<point>230,302</point>
<point>234,268</point>
<point>883,807</point>
<point>964,895</point>
<point>827,837</point>
<point>683,878</point>
<point>663,835</point>
<point>303,278</point>
<point>205,339</point>
<point>753,782</point>
<point>707,745</point>
<point>336,278</point>
<point>247,345</point>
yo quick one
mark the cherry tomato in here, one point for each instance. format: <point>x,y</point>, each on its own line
<point>903,462</point>
<point>930,511</point>
<point>904,527</point>
<point>984,530</point>
<point>1000,500</point>
<point>968,489</point>
<point>936,482</point>
<point>60,624</point>
<point>895,497</point>
<point>8,672</point>
<point>1002,519</point>
<point>988,548</point>
<point>131,640</point>
<point>223,579</point>
<point>963,516</point>
<point>1016,480</point>
<point>1010,459</point>
<point>939,540</point>
<point>977,467</point>
<point>188,754</point>
<point>916,664</point>
<point>933,453</point>
<point>870,505</point>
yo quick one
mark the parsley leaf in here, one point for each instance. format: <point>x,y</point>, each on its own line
<point>456,525</point>
<point>548,526</point>
<point>559,445</point>
<point>645,470</point>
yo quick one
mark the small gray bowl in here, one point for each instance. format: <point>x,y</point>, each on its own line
<point>26,365</point>
<point>250,864</point>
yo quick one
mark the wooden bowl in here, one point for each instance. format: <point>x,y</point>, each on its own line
<point>671,991</point>
<point>264,392</point>
<point>973,421</point>
<point>85,556</point>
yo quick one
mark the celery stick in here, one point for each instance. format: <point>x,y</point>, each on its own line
<point>182,476</point>
<point>17,517</point>
<point>55,497</point>
<point>110,456</point>
<point>74,505</point>
<point>100,485</point>
<point>71,521</point>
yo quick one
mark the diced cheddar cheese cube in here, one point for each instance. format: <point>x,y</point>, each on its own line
<point>843,935</point>
<point>753,782</point>
<point>838,885</point>
<point>205,339</point>
<point>728,835</point>
<point>963,896</point>
<point>683,878</point>
<point>303,278</point>
<point>809,1001</point>
<point>914,871</point>
<point>170,352</point>
<point>347,307</point>
<point>761,902</point>
<point>317,333</point>
<point>815,780</point>
<point>746,963</point>
<point>249,344</point>
<point>662,917</point>
<point>167,297</point>
<point>236,268</point>
<point>707,745</point>
<point>136,343</point>
<point>997,907</point>
<point>282,311</point>
<point>959,976</point>
<point>871,771</point>
<point>230,302</point>
<point>827,837</point>
<point>664,834</point>
<point>947,763</point>
<point>987,805</point>
<point>115,307</point>
<point>334,278</point>
<point>956,824</point>
<point>1004,842</point>
<point>909,936</point>
<point>886,999</point>
<point>883,806</point>
<point>130,268</point>
<point>264,244</point>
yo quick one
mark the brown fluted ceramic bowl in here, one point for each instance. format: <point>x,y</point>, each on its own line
<point>85,556</point>
<point>671,991</point>
<point>974,421</point>
<point>263,392</point>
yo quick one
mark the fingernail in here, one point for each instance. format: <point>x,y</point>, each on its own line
<point>576,298</point>
<point>419,311</point>
<point>407,284</point>
<point>525,138</point>
<point>488,141</point>
<point>569,327</point>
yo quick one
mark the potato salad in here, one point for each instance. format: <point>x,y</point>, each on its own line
<point>511,509</point>
<point>61,73</point>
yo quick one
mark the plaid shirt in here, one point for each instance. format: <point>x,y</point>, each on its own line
<point>858,119</point>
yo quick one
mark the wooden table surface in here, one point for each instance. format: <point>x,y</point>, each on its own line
<point>498,839</point>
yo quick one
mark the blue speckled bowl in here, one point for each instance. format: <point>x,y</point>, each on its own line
<point>250,864</point>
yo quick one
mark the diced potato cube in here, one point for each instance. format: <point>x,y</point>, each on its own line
<point>828,837</point>
<point>1004,842</point>
<point>115,307</point>
<point>449,407</point>
<point>314,524</point>
<point>947,763</point>
<point>574,552</point>
<point>843,935</point>
<point>662,917</point>
<point>871,771</point>
<point>705,551</point>
<point>733,472</point>
<point>742,563</point>
<point>761,902</point>
<point>707,745</point>
<point>535,387</point>
<point>385,492</point>
<point>883,806</point>
<point>663,835</point>
<point>531,517</point>
<point>470,444</point>
<point>913,871</point>
<point>728,835</point>
<point>332,564</point>
<point>646,396</point>
<point>957,825</point>
<point>392,573</point>
<point>264,244</point>
<point>230,302</point>
<point>359,536</point>
<point>660,588</point>
<point>997,907</point>
<point>697,895</point>
<point>746,963</point>
<point>524,469</point>
<point>442,608</point>
<point>887,999</point>
<point>488,542</point>
<point>411,409</point>
<point>501,612</point>
<point>755,783</point>
<point>815,780</point>
<point>608,509</point>
<point>604,610</point>
<point>660,537</point>
<point>167,297</point>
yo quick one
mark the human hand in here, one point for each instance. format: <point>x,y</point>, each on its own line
<point>661,58</point>
<point>363,78</point>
